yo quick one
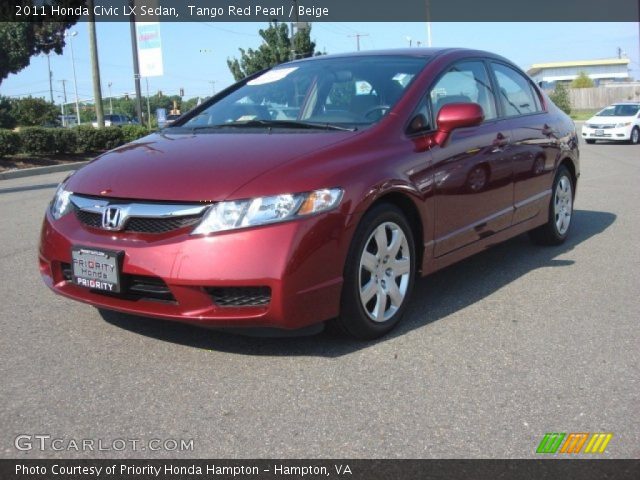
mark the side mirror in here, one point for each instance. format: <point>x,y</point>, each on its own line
<point>457,115</point>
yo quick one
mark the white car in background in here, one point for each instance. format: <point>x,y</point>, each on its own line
<point>617,122</point>
<point>115,120</point>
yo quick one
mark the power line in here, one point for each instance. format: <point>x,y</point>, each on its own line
<point>357,37</point>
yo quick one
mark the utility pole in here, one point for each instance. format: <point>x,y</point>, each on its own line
<point>50,77</point>
<point>357,36</point>
<point>64,100</point>
<point>95,67</point>
<point>136,64</point>
<point>213,87</point>
<point>428,24</point>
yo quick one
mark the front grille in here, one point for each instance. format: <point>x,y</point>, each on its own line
<point>159,225</point>
<point>133,287</point>
<point>141,224</point>
<point>600,127</point>
<point>240,296</point>
<point>89,218</point>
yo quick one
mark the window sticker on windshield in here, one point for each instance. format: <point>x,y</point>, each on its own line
<point>363,87</point>
<point>272,76</point>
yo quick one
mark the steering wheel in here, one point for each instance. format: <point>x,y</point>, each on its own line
<point>380,108</point>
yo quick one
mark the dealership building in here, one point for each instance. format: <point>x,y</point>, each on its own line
<point>600,71</point>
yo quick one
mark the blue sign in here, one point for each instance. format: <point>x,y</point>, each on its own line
<point>161,115</point>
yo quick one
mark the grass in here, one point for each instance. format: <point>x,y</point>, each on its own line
<point>583,114</point>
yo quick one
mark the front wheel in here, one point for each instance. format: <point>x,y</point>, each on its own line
<point>555,231</point>
<point>634,139</point>
<point>378,276</point>
<point>590,142</point>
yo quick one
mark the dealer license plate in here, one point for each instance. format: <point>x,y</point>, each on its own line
<point>96,269</point>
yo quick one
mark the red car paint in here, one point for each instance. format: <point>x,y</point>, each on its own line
<point>512,160</point>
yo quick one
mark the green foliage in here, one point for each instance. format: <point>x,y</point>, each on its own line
<point>582,81</point>
<point>38,140</point>
<point>560,96</point>
<point>20,40</point>
<point>9,142</point>
<point>277,48</point>
<point>7,120</point>
<point>33,112</point>
<point>87,138</point>
<point>65,140</point>
<point>133,132</point>
<point>82,139</point>
<point>108,138</point>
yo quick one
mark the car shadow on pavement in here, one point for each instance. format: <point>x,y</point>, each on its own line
<point>434,297</point>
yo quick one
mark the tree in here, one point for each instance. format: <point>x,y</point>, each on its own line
<point>21,40</point>
<point>277,47</point>
<point>560,96</point>
<point>582,81</point>
<point>7,120</point>
<point>31,112</point>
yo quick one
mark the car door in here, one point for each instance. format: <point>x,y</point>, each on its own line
<point>473,170</point>
<point>534,141</point>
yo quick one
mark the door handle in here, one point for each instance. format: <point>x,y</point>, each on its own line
<point>500,141</point>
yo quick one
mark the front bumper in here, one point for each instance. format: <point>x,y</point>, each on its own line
<point>621,134</point>
<point>300,262</point>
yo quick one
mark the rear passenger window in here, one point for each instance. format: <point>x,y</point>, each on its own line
<point>465,82</point>
<point>515,92</point>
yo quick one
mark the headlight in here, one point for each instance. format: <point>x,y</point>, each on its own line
<point>61,203</point>
<point>265,210</point>
<point>624,124</point>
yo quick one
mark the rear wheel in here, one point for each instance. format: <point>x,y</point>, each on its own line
<point>555,231</point>
<point>379,274</point>
<point>634,139</point>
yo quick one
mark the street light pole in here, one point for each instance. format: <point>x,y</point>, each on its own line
<point>64,98</point>
<point>71,34</point>
<point>110,99</point>
<point>50,78</point>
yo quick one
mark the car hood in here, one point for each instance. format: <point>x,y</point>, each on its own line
<point>609,120</point>
<point>199,168</point>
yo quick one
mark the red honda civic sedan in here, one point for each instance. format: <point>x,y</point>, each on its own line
<point>316,192</point>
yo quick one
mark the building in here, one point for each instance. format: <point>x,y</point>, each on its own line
<point>600,71</point>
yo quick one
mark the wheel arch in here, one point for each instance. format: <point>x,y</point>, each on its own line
<point>410,210</point>
<point>569,163</point>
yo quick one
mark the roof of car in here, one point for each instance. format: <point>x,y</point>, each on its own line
<point>414,52</point>
<point>626,103</point>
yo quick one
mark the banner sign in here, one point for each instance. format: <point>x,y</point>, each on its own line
<point>149,49</point>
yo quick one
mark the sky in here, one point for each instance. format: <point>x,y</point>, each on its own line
<point>195,54</point>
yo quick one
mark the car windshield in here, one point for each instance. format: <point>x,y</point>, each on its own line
<point>619,111</point>
<point>343,93</point>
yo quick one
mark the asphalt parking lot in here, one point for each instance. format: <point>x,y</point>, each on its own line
<point>493,353</point>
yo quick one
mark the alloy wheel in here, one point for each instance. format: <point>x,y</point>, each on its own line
<point>563,204</point>
<point>384,272</point>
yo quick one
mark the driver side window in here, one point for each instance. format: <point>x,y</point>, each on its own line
<point>464,82</point>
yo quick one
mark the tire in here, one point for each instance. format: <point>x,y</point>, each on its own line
<point>634,139</point>
<point>556,230</point>
<point>590,142</point>
<point>378,274</point>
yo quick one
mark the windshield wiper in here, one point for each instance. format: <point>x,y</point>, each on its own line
<point>277,124</point>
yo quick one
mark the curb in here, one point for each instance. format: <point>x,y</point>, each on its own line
<point>28,172</point>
